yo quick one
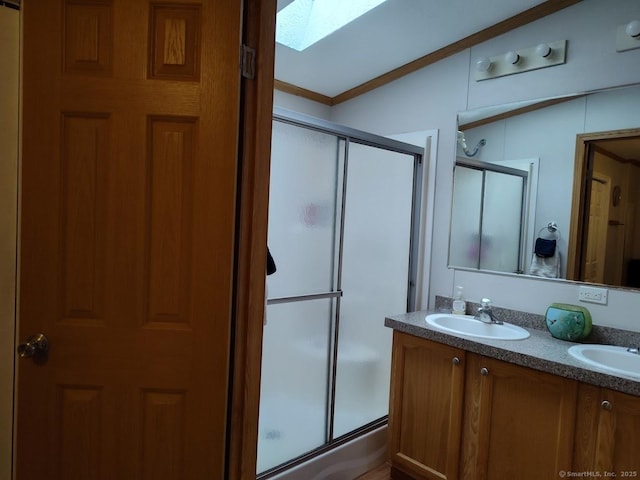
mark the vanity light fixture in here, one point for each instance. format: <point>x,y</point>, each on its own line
<point>633,28</point>
<point>517,61</point>
<point>544,50</point>
<point>512,57</point>
<point>628,36</point>
<point>483,64</point>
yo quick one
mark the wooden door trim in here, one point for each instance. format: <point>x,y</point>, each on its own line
<point>253,184</point>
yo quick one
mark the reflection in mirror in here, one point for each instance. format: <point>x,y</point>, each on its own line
<point>567,145</point>
<point>606,223</point>
<point>489,209</point>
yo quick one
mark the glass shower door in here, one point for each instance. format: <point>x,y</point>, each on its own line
<point>297,345</point>
<point>466,213</point>
<point>502,222</point>
<point>374,279</point>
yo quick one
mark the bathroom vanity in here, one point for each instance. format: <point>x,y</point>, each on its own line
<point>473,408</point>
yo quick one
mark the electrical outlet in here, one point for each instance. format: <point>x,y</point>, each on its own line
<point>593,295</point>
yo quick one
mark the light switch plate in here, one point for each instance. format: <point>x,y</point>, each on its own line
<point>593,295</point>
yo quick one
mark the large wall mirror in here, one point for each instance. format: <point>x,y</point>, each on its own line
<point>551,188</point>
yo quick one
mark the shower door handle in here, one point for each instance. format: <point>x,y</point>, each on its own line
<point>302,298</point>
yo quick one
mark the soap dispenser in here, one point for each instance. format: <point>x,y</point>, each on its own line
<point>459,304</point>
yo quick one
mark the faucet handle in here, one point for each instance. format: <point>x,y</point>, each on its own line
<point>485,303</point>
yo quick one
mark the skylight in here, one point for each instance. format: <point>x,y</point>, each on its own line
<point>304,22</point>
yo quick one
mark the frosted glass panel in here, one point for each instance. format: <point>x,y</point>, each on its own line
<point>464,246</point>
<point>374,280</point>
<point>294,385</point>
<point>501,222</point>
<point>302,205</point>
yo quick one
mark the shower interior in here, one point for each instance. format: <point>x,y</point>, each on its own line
<point>343,212</point>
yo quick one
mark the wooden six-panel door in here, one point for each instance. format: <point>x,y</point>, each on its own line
<point>129,155</point>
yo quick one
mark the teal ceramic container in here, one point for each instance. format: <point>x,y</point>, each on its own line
<point>568,322</point>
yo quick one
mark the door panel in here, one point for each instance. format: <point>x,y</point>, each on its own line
<point>127,227</point>
<point>501,222</point>
<point>464,248</point>
<point>425,415</point>
<point>594,266</point>
<point>294,388</point>
<point>303,205</point>
<point>374,272</point>
<point>304,202</point>
<point>499,395</point>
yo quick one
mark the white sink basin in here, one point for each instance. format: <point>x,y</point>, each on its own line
<point>467,325</point>
<point>613,359</point>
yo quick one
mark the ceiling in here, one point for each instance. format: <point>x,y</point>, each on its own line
<point>395,33</point>
<point>398,32</point>
<point>627,149</point>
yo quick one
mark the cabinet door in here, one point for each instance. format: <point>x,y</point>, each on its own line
<point>426,408</point>
<point>518,422</point>
<point>607,429</point>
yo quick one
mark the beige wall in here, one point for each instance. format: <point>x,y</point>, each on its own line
<point>9,68</point>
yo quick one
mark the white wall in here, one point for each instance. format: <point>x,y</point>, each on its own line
<point>431,97</point>
<point>9,58</point>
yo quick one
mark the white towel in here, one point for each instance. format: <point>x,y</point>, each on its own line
<point>546,266</point>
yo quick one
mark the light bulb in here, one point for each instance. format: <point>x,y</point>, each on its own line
<point>512,57</point>
<point>543,50</point>
<point>483,64</point>
<point>633,28</point>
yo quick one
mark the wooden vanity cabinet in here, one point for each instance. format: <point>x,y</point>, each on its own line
<point>459,415</point>
<point>518,422</point>
<point>607,432</point>
<point>425,408</point>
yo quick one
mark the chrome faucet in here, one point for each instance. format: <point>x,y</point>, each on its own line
<point>485,313</point>
<point>635,350</point>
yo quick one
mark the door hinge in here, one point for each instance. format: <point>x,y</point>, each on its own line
<point>248,62</point>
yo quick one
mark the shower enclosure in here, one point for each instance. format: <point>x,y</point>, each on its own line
<point>343,213</point>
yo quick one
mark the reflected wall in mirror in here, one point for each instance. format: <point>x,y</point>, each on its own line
<point>567,145</point>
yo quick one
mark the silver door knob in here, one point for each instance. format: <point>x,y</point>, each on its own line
<point>36,345</point>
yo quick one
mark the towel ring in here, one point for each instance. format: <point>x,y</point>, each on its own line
<point>552,229</point>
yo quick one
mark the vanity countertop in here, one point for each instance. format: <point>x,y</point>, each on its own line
<point>540,351</point>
